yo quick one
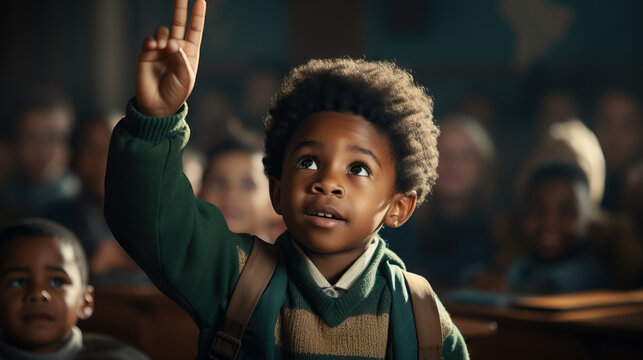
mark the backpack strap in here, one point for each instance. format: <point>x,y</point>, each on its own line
<point>251,284</point>
<point>426,316</point>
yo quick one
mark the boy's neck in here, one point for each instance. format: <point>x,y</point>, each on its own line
<point>333,266</point>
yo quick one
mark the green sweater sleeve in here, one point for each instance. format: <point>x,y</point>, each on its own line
<point>453,347</point>
<point>182,243</point>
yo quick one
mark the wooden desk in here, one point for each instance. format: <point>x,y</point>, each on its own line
<point>474,329</point>
<point>607,332</point>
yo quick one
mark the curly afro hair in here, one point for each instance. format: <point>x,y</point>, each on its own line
<point>381,92</point>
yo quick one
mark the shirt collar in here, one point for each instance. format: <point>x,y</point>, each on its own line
<point>350,276</point>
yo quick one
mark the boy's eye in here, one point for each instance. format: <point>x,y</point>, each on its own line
<point>17,283</point>
<point>56,282</point>
<point>359,170</point>
<point>307,163</point>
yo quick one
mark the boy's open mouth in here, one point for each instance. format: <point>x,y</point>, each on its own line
<point>325,215</point>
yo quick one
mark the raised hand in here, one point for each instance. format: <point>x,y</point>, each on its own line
<point>168,62</point>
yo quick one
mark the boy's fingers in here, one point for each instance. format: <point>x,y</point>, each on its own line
<point>149,50</point>
<point>161,35</point>
<point>195,33</point>
<point>149,43</point>
<point>179,19</point>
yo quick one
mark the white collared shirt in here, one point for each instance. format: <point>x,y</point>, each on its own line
<point>347,280</point>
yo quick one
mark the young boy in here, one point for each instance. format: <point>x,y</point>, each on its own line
<point>43,293</point>
<point>350,147</point>
<point>555,226</point>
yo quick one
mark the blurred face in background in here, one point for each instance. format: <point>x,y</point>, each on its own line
<point>41,144</point>
<point>555,217</point>
<point>91,157</point>
<point>619,128</point>
<point>236,184</point>
<point>461,165</point>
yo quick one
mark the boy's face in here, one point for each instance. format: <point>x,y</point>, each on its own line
<point>41,144</point>
<point>235,183</point>
<point>555,219</point>
<point>41,294</point>
<point>338,184</point>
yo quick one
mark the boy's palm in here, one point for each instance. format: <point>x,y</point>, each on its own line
<point>168,62</point>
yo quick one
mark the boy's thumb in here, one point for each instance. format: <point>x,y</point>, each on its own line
<point>181,65</point>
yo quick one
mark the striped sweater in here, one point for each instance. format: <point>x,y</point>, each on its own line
<point>185,247</point>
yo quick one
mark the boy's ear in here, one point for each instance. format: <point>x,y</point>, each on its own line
<point>400,210</point>
<point>275,193</point>
<point>86,308</point>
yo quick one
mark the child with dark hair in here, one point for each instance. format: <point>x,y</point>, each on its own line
<point>350,147</point>
<point>555,225</point>
<point>40,131</point>
<point>453,239</point>
<point>43,292</point>
<point>234,182</point>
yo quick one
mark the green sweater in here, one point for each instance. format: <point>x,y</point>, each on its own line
<point>186,248</point>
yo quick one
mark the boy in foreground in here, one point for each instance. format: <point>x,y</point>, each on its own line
<point>350,147</point>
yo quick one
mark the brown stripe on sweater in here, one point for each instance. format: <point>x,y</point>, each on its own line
<point>301,332</point>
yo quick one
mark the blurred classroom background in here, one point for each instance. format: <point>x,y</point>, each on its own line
<point>533,234</point>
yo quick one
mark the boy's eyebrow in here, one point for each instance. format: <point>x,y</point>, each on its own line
<point>57,268</point>
<point>13,270</point>
<point>305,144</point>
<point>367,152</point>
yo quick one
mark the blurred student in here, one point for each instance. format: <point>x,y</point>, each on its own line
<point>611,237</point>
<point>619,128</point>
<point>555,218</point>
<point>84,213</point>
<point>234,181</point>
<point>44,291</point>
<point>40,133</point>
<point>453,239</point>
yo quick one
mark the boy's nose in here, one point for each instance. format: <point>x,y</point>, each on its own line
<point>327,184</point>
<point>37,295</point>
